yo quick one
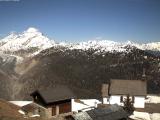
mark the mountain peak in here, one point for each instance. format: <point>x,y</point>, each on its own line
<point>129,42</point>
<point>25,40</point>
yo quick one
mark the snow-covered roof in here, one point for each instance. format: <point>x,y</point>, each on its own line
<point>21,103</point>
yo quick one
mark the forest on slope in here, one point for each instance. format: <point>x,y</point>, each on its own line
<point>88,70</point>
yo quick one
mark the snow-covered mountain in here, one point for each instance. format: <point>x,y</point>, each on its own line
<point>28,39</point>
<point>151,46</point>
<point>22,71</point>
<point>32,37</point>
<point>111,46</point>
<point>103,45</point>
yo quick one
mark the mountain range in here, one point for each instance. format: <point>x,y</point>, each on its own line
<point>30,61</point>
<point>33,38</point>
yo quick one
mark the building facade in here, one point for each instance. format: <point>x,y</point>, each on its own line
<point>120,89</point>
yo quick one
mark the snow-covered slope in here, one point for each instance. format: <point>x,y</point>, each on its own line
<point>117,46</point>
<point>151,46</point>
<point>111,46</point>
<point>28,39</point>
<point>103,45</point>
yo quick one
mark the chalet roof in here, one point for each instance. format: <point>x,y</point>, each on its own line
<point>62,92</point>
<point>113,112</point>
<point>125,87</point>
<point>58,93</point>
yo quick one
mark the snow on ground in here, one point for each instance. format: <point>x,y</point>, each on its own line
<point>18,59</point>
<point>140,116</point>
<point>155,116</point>
<point>153,99</point>
<point>145,116</point>
<point>21,103</point>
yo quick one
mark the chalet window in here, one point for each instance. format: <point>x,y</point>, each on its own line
<point>53,110</point>
<point>121,99</point>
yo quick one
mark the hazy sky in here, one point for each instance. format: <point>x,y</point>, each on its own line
<point>81,20</point>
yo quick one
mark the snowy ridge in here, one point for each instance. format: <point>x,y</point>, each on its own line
<point>151,46</point>
<point>32,37</point>
<point>111,46</point>
<point>103,45</point>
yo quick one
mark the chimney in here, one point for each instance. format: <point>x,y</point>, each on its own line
<point>104,92</point>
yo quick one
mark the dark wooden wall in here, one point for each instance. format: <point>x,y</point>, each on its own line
<point>64,107</point>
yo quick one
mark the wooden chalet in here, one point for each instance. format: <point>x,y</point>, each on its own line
<point>57,100</point>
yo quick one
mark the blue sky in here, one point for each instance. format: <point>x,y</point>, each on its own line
<point>82,20</point>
